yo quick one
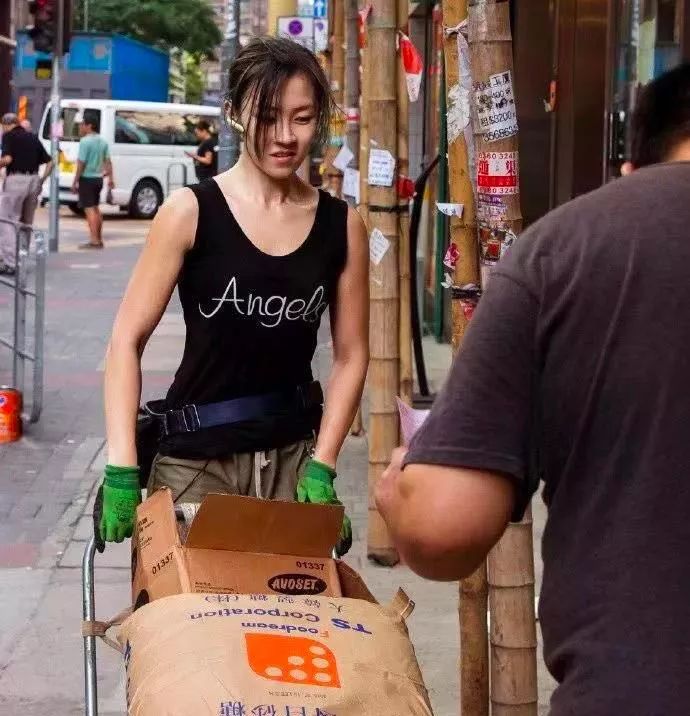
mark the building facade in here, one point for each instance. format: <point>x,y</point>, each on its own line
<point>591,58</point>
<point>579,67</point>
<point>252,21</point>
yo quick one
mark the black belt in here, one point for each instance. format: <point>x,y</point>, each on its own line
<point>192,418</point>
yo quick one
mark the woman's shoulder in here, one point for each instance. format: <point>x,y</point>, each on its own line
<point>334,208</point>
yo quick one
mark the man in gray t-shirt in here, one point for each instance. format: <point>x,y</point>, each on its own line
<point>576,368</point>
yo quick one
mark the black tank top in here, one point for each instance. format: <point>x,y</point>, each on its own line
<point>252,321</point>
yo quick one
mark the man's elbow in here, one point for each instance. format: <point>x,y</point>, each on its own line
<point>433,558</point>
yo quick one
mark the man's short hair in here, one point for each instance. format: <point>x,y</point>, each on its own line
<point>92,117</point>
<point>204,125</point>
<point>661,119</point>
<point>9,118</point>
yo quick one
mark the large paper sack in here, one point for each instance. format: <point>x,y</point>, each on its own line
<point>266,655</point>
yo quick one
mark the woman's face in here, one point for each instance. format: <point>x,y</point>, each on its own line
<point>289,133</point>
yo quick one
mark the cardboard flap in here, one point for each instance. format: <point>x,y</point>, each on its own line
<point>352,585</point>
<point>245,524</point>
<point>155,531</point>
<point>401,605</point>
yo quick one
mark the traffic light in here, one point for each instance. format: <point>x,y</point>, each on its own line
<point>44,31</point>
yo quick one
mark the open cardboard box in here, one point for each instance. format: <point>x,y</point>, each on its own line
<point>240,545</point>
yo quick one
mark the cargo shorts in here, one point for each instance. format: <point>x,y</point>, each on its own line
<point>269,475</point>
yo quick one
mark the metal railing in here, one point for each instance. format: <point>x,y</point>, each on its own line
<point>27,263</point>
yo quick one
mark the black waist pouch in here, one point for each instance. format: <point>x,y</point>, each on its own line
<point>148,438</point>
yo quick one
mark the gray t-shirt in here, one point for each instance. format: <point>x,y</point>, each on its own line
<point>578,360</point>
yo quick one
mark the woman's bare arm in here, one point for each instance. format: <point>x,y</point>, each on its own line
<point>350,330</point>
<point>150,287</point>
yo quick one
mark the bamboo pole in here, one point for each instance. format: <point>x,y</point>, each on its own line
<point>364,125</point>
<point>352,93</point>
<point>358,424</point>
<point>333,177</point>
<point>384,285</point>
<point>513,636</point>
<point>474,659</point>
<point>406,378</point>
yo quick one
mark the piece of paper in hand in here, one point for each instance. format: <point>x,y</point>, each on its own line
<point>378,246</point>
<point>343,158</point>
<point>411,420</point>
<point>381,168</point>
<point>450,209</point>
<point>351,183</point>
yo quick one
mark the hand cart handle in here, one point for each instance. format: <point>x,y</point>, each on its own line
<point>89,615</point>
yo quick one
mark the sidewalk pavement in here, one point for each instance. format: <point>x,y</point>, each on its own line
<point>48,481</point>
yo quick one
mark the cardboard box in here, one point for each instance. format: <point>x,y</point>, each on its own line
<point>269,655</point>
<point>238,545</point>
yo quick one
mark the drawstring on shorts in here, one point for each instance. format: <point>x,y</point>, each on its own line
<point>260,462</point>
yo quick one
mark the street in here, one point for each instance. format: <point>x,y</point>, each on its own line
<point>48,480</point>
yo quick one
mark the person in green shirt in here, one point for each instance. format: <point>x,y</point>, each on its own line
<point>93,163</point>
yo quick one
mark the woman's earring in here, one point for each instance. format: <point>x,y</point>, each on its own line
<point>234,124</point>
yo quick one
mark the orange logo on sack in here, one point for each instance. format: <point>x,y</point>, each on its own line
<point>292,660</point>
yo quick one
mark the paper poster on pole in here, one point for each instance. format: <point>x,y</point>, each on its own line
<point>414,66</point>
<point>450,209</point>
<point>496,111</point>
<point>343,158</point>
<point>381,168</point>
<point>378,246</point>
<point>460,93</point>
<point>351,183</point>
<point>498,173</point>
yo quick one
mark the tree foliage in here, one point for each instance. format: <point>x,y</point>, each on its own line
<point>187,24</point>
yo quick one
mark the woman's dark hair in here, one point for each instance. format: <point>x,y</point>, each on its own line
<point>661,119</point>
<point>258,75</point>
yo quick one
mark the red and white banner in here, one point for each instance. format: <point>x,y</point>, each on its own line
<point>498,173</point>
<point>414,66</point>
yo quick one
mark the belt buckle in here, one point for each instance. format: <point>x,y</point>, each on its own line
<point>190,417</point>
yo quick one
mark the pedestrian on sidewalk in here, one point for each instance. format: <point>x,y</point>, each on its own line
<point>22,156</point>
<point>93,163</point>
<point>206,157</point>
<point>575,370</point>
<point>258,256</point>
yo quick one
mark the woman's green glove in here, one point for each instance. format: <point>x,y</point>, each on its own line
<point>316,486</point>
<point>121,495</point>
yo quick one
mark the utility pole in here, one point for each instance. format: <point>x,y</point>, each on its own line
<point>382,89</point>
<point>228,141</point>
<point>55,127</point>
<point>7,44</point>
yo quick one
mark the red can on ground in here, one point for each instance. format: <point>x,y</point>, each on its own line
<point>10,414</point>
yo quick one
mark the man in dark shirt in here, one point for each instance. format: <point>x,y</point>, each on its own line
<point>22,155</point>
<point>206,157</point>
<point>576,368</point>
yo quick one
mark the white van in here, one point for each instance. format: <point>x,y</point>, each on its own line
<point>147,140</point>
